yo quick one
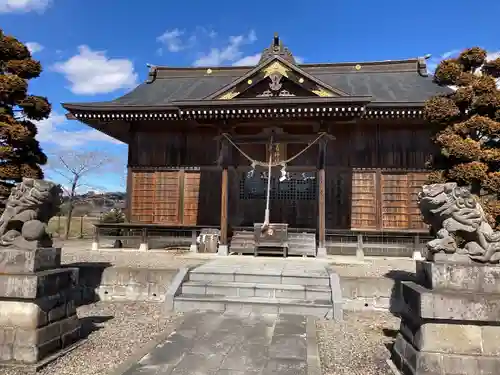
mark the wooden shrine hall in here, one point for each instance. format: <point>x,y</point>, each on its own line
<point>280,154</point>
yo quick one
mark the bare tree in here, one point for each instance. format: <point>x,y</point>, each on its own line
<point>76,167</point>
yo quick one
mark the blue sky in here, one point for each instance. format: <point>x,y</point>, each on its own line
<point>97,50</point>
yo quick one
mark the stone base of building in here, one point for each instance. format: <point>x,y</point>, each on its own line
<point>37,306</point>
<point>411,361</point>
<point>450,321</point>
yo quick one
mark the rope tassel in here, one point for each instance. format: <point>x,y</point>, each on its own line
<point>267,213</point>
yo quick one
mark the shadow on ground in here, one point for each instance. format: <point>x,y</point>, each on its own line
<point>89,279</point>
<point>91,324</point>
<point>396,301</point>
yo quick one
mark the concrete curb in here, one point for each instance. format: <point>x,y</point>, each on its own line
<point>313,360</point>
<point>175,287</point>
<point>393,367</point>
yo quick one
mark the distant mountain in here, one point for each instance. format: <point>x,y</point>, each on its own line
<point>94,204</point>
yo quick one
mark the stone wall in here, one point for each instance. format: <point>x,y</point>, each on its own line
<point>102,282</point>
<point>372,293</point>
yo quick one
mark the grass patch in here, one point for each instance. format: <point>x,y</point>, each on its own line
<point>81,227</point>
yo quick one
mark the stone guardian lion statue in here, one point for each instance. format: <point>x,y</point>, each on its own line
<point>459,223</point>
<point>30,206</point>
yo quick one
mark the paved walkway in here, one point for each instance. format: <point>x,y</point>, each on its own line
<point>220,344</point>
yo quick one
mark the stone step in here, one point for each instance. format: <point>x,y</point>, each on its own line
<point>235,289</point>
<point>229,274</point>
<point>188,302</point>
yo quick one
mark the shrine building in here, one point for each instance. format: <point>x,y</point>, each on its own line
<point>346,142</point>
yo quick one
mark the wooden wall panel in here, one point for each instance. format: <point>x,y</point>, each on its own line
<point>167,196</point>
<point>161,149</point>
<point>404,147</point>
<point>191,198</point>
<point>355,146</point>
<point>143,196</point>
<point>209,197</point>
<point>307,158</point>
<point>395,201</point>
<point>338,198</point>
<point>201,149</point>
<point>257,151</point>
<point>364,200</point>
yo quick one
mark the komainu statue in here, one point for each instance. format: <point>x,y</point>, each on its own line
<point>459,223</point>
<point>30,206</point>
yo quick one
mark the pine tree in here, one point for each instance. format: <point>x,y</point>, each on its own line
<point>20,153</point>
<point>468,127</point>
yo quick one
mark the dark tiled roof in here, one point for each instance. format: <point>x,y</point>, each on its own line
<point>387,81</point>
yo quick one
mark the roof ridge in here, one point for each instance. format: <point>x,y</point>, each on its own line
<point>343,63</point>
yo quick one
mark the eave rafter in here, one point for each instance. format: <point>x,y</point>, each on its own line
<point>339,111</point>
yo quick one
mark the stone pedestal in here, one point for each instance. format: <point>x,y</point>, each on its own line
<point>37,306</point>
<point>450,321</point>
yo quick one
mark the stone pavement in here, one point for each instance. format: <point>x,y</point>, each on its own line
<point>221,344</point>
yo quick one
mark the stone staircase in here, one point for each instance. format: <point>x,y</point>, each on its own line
<point>242,242</point>
<point>262,286</point>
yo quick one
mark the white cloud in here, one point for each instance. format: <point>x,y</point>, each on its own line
<point>172,40</point>
<point>34,47</point>
<point>52,132</point>
<point>92,72</point>
<point>228,54</point>
<point>248,60</point>
<point>176,40</point>
<point>23,6</point>
<point>493,55</point>
<point>252,60</point>
<point>432,63</point>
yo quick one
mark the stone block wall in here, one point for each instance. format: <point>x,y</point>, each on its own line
<point>450,321</point>
<point>102,282</point>
<point>37,307</point>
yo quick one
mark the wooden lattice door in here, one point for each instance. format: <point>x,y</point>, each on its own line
<point>191,193</point>
<point>165,197</point>
<point>364,200</point>
<point>400,200</point>
<point>143,196</point>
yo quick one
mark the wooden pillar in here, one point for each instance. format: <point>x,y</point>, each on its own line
<point>224,162</point>
<point>144,246</point>
<point>128,195</point>
<point>95,241</point>
<point>321,252</point>
<point>129,178</point>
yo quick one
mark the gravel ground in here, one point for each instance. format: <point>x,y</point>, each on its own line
<point>356,346</point>
<point>118,331</point>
